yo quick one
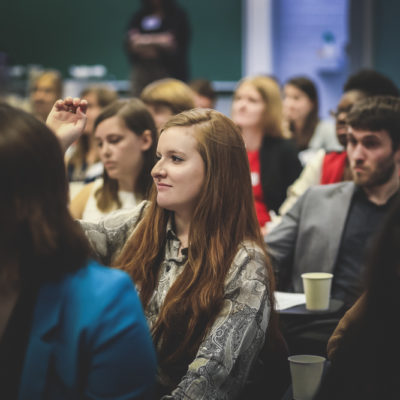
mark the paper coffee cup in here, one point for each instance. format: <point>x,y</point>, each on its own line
<point>306,372</point>
<point>317,288</point>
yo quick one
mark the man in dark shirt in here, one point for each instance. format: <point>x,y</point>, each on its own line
<point>330,226</point>
<point>328,229</point>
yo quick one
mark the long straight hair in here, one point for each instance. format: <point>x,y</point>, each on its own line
<point>308,87</point>
<point>134,114</point>
<point>223,218</point>
<point>36,230</point>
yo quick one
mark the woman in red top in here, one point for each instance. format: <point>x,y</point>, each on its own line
<point>274,165</point>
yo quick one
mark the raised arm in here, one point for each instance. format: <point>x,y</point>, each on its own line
<point>67,120</point>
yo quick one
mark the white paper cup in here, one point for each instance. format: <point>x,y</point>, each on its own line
<point>317,288</point>
<point>306,372</point>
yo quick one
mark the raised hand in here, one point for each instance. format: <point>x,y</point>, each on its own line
<point>67,120</point>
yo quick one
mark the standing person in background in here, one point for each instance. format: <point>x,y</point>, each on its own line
<point>69,327</point>
<point>46,88</point>
<point>167,97</point>
<point>300,106</point>
<point>126,138</point>
<point>204,93</point>
<point>83,161</point>
<point>274,165</point>
<point>157,43</point>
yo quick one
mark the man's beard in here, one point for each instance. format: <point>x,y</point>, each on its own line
<point>380,176</point>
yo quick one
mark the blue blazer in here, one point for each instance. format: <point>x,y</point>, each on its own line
<point>89,339</point>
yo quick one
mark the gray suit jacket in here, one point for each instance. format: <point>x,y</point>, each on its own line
<point>309,235</point>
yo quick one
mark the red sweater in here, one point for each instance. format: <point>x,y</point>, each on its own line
<point>261,207</point>
<point>333,167</point>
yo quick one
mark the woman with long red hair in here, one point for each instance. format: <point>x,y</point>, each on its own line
<point>198,259</point>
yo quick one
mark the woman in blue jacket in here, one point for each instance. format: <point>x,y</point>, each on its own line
<point>69,328</point>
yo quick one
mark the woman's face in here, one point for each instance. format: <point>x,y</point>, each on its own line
<point>248,107</point>
<point>296,104</point>
<point>179,172</point>
<point>121,150</point>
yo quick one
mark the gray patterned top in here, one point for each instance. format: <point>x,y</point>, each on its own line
<point>227,353</point>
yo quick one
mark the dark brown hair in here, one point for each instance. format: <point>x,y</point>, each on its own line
<point>36,227</point>
<point>377,113</point>
<point>308,87</point>
<point>134,114</point>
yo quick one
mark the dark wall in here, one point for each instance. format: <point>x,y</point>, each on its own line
<point>57,34</point>
<point>386,38</point>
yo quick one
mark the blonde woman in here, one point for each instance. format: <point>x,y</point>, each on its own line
<point>167,97</point>
<point>274,165</point>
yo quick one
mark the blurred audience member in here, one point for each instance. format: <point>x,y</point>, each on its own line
<point>274,165</point>
<point>204,93</point>
<point>126,138</point>
<point>157,43</point>
<point>83,161</point>
<point>45,90</point>
<point>331,167</point>
<point>365,345</point>
<point>68,326</point>
<point>167,97</point>
<point>301,107</point>
<point>330,226</point>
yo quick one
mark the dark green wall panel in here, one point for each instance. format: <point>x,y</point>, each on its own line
<point>57,33</point>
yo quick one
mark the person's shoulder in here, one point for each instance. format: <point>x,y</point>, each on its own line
<point>326,124</point>
<point>98,279</point>
<point>249,263</point>
<point>125,217</point>
<point>250,252</point>
<point>330,189</point>
<point>250,249</point>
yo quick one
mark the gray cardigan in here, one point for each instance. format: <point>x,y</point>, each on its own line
<point>309,235</point>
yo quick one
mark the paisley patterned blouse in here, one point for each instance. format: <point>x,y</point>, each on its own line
<point>222,363</point>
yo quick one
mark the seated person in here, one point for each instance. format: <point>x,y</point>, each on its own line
<point>332,167</point>
<point>83,160</point>
<point>274,165</point>
<point>197,256</point>
<point>300,110</point>
<point>165,98</point>
<point>126,138</point>
<point>204,93</point>
<point>46,88</point>
<point>365,345</point>
<point>329,227</point>
<point>69,327</point>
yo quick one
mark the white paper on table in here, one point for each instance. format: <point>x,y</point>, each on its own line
<point>286,300</point>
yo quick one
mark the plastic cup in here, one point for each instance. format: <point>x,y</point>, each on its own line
<point>317,288</point>
<point>306,372</point>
